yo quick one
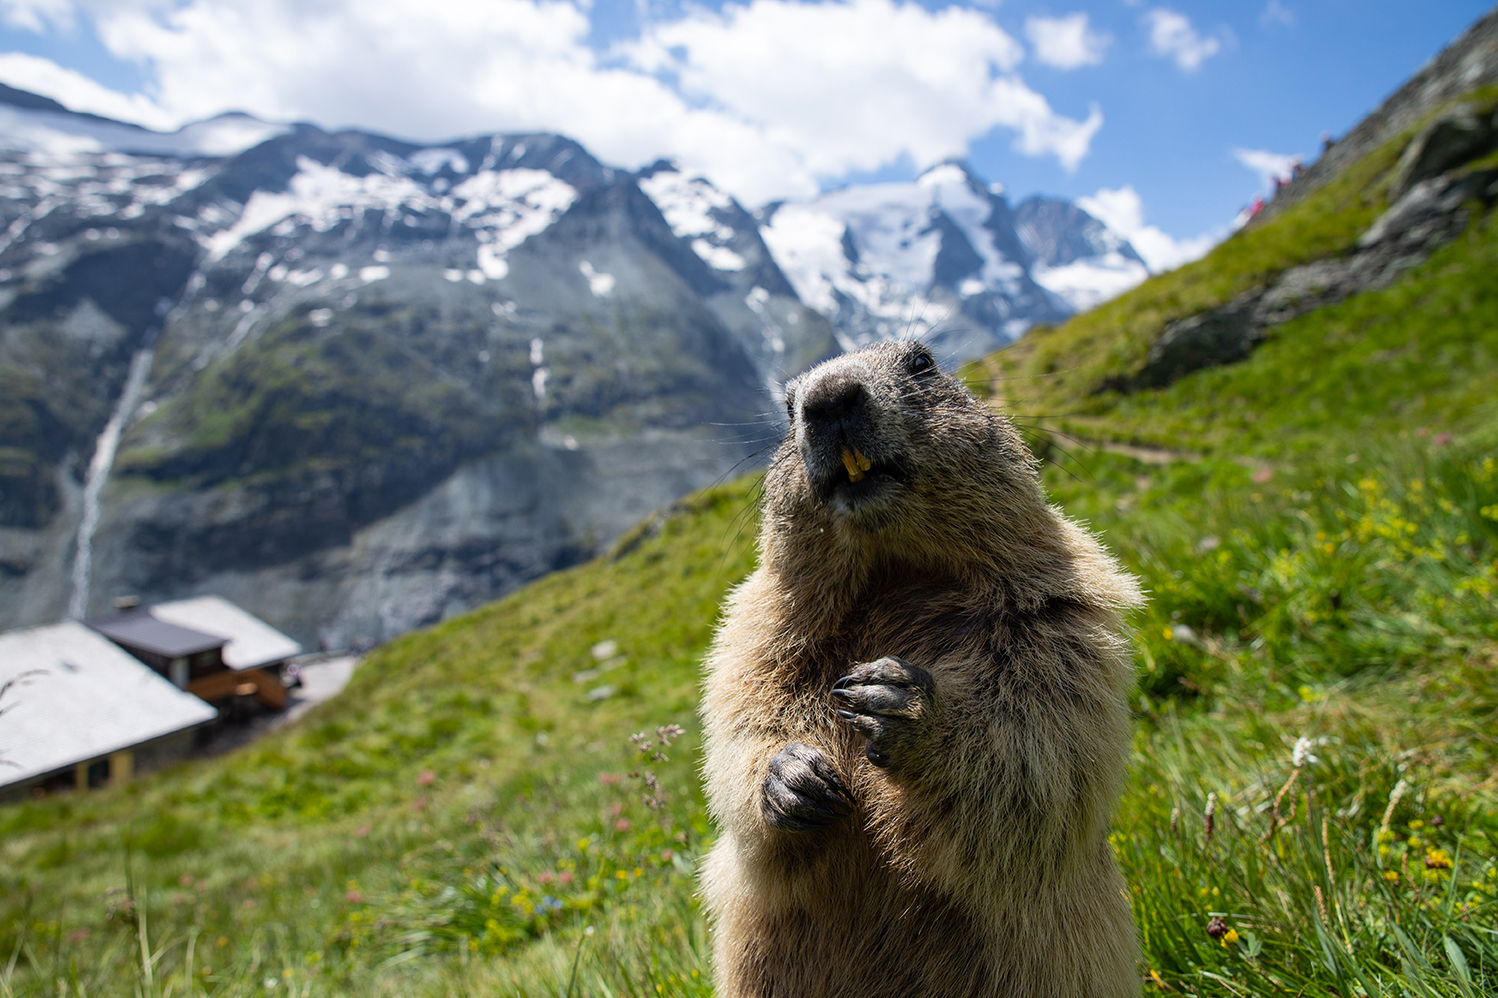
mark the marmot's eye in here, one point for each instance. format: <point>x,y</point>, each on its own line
<point>921,363</point>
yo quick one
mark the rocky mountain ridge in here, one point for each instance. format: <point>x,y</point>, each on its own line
<point>1469,62</point>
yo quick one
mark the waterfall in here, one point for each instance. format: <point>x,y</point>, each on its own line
<point>98,474</point>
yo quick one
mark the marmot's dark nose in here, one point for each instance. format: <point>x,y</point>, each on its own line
<point>833,400</point>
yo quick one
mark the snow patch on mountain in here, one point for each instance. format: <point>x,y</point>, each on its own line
<point>688,205</point>
<point>807,245</point>
<point>507,207</point>
<point>92,185</point>
<point>944,258</point>
<point>952,192</point>
<point>1077,256</point>
<point>869,255</point>
<point>503,207</point>
<point>717,257</point>
<point>430,161</point>
<point>602,285</point>
<point>318,196</point>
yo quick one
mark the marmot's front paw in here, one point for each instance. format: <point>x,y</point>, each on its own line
<point>802,791</point>
<point>890,703</point>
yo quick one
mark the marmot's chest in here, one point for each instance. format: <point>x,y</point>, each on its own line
<point>928,627</point>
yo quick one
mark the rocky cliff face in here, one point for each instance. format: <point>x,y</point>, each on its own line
<point>356,384</point>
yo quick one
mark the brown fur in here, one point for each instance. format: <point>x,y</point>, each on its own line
<point>973,858</point>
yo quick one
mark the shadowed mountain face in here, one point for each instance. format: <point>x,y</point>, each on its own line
<point>386,382</point>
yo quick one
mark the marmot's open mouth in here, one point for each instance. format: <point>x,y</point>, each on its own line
<point>856,464</point>
<point>860,478</point>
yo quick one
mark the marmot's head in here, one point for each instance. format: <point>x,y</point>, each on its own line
<point>887,457</point>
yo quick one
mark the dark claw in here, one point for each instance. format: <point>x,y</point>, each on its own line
<point>887,702</point>
<point>893,701</point>
<point>802,791</point>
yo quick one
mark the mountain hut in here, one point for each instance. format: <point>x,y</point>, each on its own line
<point>77,711</point>
<point>206,646</point>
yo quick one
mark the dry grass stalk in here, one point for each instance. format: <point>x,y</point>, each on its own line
<point>1274,815</point>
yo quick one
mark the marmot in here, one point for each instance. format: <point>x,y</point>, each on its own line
<point>915,712</point>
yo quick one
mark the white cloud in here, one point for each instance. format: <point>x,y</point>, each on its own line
<point>1277,13</point>
<point>79,93</point>
<point>1122,210</point>
<point>36,15</point>
<point>768,99</point>
<point>1173,37</point>
<point>1066,42</point>
<point>1270,166</point>
<point>853,85</point>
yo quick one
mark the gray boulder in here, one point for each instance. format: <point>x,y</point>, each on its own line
<point>1208,339</point>
<point>1456,137</point>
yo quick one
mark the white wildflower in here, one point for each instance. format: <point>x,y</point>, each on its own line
<point>1302,754</point>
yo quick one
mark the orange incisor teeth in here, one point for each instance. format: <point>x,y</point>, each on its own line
<point>856,464</point>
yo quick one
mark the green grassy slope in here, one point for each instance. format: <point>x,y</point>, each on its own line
<point>1392,356</point>
<point>464,808</point>
<point>1316,751</point>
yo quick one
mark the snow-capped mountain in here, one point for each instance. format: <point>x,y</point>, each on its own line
<point>357,384</point>
<point>944,258</point>
<point>353,383</point>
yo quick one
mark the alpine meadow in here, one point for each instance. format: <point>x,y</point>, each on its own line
<point>1292,441</point>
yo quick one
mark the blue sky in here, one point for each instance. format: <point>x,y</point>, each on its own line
<point>1158,101</point>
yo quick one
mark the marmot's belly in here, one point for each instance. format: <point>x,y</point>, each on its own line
<point>860,940</point>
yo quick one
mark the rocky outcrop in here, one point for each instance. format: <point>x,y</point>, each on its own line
<point>1208,339</point>
<point>1458,136</point>
<point>1428,216</point>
